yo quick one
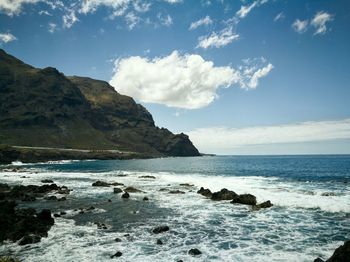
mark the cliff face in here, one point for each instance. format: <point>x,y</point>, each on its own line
<point>42,107</point>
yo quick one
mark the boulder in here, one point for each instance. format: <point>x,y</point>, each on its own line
<point>341,254</point>
<point>101,183</point>
<point>117,190</point>
<point>131,189</point>
<point>118,254</point>
<point>266,204</point>
<point>245,199</point>
<point>125,195</point>
<point>224,194</point>
<point>160,229</point>
<point>194,252</point>
<point>205,192</point>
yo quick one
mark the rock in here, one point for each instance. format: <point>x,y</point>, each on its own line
<point>56,215</point>
<point>62,199</point>
<point>118,254</point>
<point>187,185</point>
<point>163,189</point>
<point>62,213</point>
<point>125,195</point>
<point>145,199</point>
<point>100,225</point>
<point>116,184</point>
<point>223,194</point>
<point>29,239</point>
<point>131,189</point>
<point>117,240</point>
<point>205,192</point>
<point>47,181</point>
<point>341,254</point>
<point>90,208</point>
<point>51,198</point>
<point>159,242</point>
<point>28,198</point>
<point>151,177</point>
<point>23,224</point>
<point>265,204</point>
<point>109,200</point>
<point>160,229</point>
<point>101,183</point>
<point>117,190</point>
<point>245,199</point>
<point>176,192</point>
<point>194,252</point>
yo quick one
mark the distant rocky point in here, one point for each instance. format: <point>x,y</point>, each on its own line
<point>44,110</point>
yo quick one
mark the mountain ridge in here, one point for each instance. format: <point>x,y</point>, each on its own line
<point>45,108</point>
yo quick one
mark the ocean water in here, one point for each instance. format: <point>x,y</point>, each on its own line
<point>309,219</point>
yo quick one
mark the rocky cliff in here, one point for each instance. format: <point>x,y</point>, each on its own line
<point>44,108</point>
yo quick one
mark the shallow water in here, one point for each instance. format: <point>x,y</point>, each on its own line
<point>302,225</point>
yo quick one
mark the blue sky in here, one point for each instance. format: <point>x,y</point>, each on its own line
<point>240,77</point>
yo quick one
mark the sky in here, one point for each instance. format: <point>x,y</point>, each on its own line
<point>239,77</point>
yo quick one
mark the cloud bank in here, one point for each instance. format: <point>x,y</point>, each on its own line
<point>182,81</point>
<point>223,139</point>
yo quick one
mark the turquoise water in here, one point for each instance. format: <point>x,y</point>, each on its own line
<point>310,217</point>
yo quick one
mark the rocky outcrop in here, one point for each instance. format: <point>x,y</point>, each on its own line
<point>160,229</point>
<point>25,225</point>
<point>341,254</point>
<point>205,192</point>
<point>245,199</point>
<point>76,112</point>
<point>223,194</point>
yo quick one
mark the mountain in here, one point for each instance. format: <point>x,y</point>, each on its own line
<point>44,108</point>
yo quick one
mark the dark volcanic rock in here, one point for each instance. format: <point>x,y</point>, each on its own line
<point>266,204</point>
<point>118,254</point>
<point>145,199</point>
<point>176,192</point>
<point>224,194</point>
<point>341,254</point>
<point>159,242</point>
<point>47,181</point>
<point>151,177</point>
<point>25,224</point>
<point>29,239</point>
<point>319,260</point>
<point>205,192</point>
<point>117,190</point>
<point>101,183</point>
<point>194,252</point>
<point>160,229</point>
<point>131,189</point>
<point>125,195</point>
<point>245,199</point>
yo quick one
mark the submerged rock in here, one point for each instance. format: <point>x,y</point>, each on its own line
<point>160,229</point>
<point>224,194</point>
<point>47,181</point>
<point>205,192</point>
<point>151,177</point>
<point>145,199</point>
<point>176,192</point>
<point>159,242</point>
<point>194,252</point>
<point>186,185</point>
<point>245,199</point>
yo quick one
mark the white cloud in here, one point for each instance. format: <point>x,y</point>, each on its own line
<point>220,39</point>
<point>223,139</point>
<point>165,20</point>
<point>245,9</point>
<point>279,16</point>
<point>141,7</point>
<point>173,1</point>
<point>204,21</point>
<point>183,81</point>
<point>52,28</point>
<point>132,20</point>
<point>69,19</point>
<point>90,6</point>
<point>44,12</point>
<point>6,37</point>
<point>300,26</point>
<point>319,22</point>
<point>14,7</point>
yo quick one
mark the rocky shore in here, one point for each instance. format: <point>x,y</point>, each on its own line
<point>27,226</point>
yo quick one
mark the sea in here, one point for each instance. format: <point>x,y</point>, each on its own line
<point>310,216</point>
